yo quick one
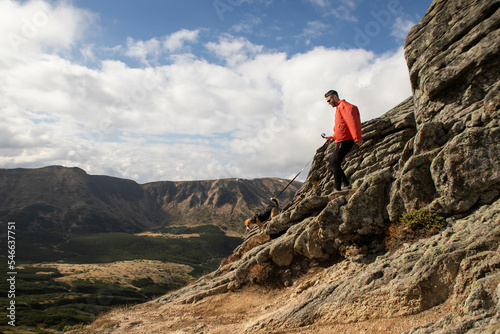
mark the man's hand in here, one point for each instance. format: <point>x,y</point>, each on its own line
<point>359,142</point>
<point>329,139</point>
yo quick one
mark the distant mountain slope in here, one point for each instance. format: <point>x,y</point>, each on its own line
<point>57,201</point>
<point>50,203</point>
<point>224,202</point>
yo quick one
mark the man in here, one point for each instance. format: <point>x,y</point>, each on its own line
<point>346,132</point>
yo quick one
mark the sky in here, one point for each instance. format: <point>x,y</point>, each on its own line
<point>158,90</point>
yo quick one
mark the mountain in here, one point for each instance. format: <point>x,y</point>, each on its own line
<point>59,201</point>
<point>226,202</point>
<point>344,261</point>
<point>49,204</point>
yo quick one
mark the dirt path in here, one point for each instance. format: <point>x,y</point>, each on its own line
<point>234,312</point>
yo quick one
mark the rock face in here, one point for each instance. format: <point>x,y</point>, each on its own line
<point>438,150</point>
<point>454,64</point>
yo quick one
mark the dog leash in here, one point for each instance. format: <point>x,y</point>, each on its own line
<point>289,183</point>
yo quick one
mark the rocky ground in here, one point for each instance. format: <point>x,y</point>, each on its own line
<point>236,311</point>
<point>445,282</point>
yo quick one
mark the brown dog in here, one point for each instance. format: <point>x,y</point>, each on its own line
<point>261,217</point>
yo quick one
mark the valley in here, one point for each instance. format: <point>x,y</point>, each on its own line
<point>88,243</point>
<point>92,274</point>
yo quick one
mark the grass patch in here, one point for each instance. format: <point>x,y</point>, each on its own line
<point>422,219</point>
<point>203,229</point>
<point>412,226</point>
<point>203,253</point>
<point>43,304</point>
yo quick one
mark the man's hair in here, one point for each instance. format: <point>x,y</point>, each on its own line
<point>331,93</point>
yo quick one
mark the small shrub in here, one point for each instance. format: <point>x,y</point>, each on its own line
<point>261,273</point>
<point>143,282</point>
<point>412,226</point>
<point>84,286</point>
<point>422,219</point>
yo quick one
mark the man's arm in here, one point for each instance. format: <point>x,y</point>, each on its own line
<point>351,117</point>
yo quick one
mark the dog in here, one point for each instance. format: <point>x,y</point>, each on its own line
<point>260,218</point>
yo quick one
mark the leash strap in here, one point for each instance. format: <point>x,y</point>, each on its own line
<point>289,183</point>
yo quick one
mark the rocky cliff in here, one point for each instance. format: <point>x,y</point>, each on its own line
<point>226,203</point>
<point>341,261</point>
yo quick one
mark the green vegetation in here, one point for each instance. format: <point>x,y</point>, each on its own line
<point>203,253</point>
<point>42,302</point>
<point>151,289</point>
<point>203,229</point>
<point>422,219</point>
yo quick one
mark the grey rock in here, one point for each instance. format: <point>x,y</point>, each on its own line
<point>460,265</point>
<point>282,252</point>
<point>308,206</point>
<point>467,170</point>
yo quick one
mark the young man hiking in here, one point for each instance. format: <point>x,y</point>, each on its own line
<point>346,132</point>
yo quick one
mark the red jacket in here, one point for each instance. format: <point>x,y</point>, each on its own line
<point>347,122</point>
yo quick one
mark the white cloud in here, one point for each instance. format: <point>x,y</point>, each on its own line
<point>401,27</point>
<point>315,29</point>
<point>234,50</point>
<point>143,50</point>
<point>260,115</point>
<point>87,52</point>
<point>177,40</point>
<point>341,9</point>
<point>36,26</point>
<point>247,25</point>
<point>321,3</point>
<point>149,52</point>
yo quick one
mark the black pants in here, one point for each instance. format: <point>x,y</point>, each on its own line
<point>341,150</point>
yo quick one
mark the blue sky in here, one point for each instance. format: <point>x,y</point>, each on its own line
<point>279,25</point>
<point>184,90</point>
<point>292,26</point>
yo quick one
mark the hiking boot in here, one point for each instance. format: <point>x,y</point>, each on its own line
<point>346,186</point>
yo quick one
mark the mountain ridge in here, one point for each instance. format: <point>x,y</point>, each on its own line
<point>61,201</point>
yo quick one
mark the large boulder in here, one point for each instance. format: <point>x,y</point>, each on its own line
<point>467,171</point>
<point>452,164</point>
